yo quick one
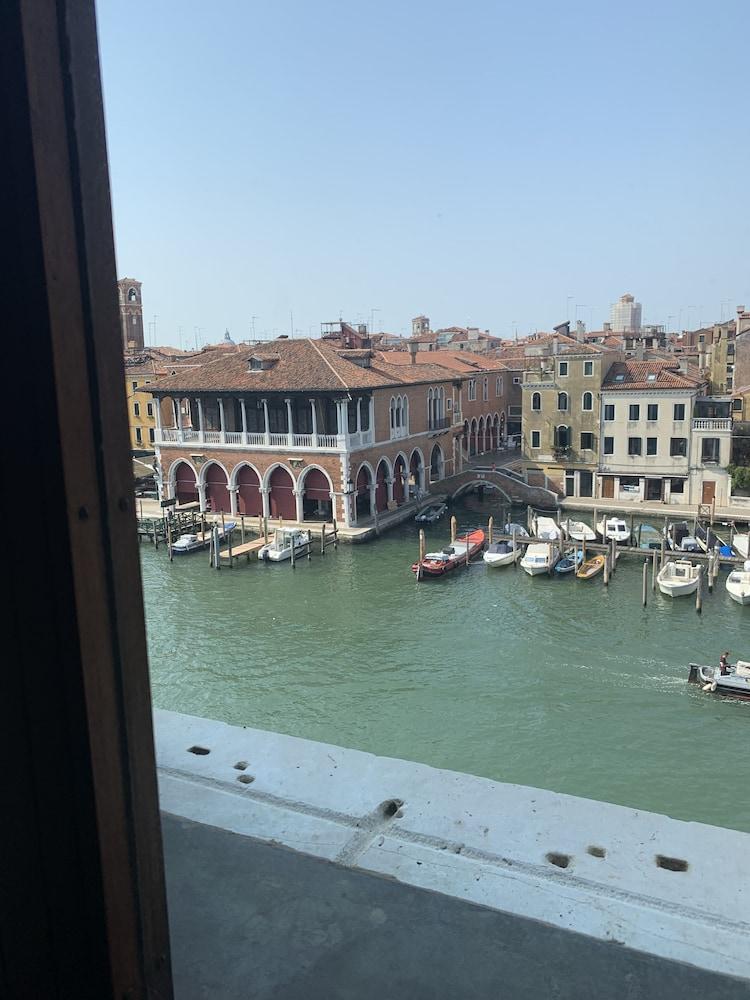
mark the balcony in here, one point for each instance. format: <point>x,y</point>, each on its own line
<point>441,423</point>
<point>712,423</point>
<point>262,442</point>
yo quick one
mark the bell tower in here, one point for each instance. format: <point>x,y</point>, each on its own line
<point>131,314</point>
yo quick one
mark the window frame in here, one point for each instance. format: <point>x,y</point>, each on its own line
<point>607,408</point>
<point>649,441</point>
<point>535,434</point>
<point>675,408</point>
<point>611,449</point>
<point>634,407</point>
<point>584,408</point>
<point>560,372</point>
<point>637,453</point>
<point>652,407</point>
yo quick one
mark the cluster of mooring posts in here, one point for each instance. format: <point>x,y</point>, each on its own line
<point>709,563</point>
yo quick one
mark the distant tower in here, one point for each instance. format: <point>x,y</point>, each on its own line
<point>626,315</point>
<point>227,338</point>
<point>420,325</point>
<point>131,314</point>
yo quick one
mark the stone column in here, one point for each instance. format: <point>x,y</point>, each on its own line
<point>244,419</point>
<point>298,497</point>
<point>222,423</point>
<point>178,404</point>
<point>201,425</point>
<point>314,411</point>
<point>265,504</point>
<point>267,433</point>
<point>373,488</point>
<point>157,416</point>
<point>202,495</point>
<point>342,421</point>
<point>372,416</point>
<point>389,488</point>
<point>359,414</point>
<point>290,429</point>
<point>233,491</point>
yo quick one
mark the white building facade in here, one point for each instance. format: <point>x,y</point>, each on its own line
<point>626,315</point>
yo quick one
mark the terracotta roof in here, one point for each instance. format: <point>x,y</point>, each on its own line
<point>298,366</point>
<point>653,374</point>
<point>456,361</point>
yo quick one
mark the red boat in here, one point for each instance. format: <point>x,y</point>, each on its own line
<point>451,557</point>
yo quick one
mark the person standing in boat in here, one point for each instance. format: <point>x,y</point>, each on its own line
<point>724,663</point>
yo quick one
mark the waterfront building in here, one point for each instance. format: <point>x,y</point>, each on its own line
<point>625,316</point>
<point>663,438</point>
<point>308,430</point>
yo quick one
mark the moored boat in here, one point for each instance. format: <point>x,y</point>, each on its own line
<point>502,554</point>
<point>741,544</point>
<point>579,531</point>
<point>431,514</point>
<point>571,560</point>
<point>194,542</point>
<point>679,578</point>
<point>545,527</point>
<point>735,682</point>
<point>280,549</point>
<point>539,558</point>
<point>590,568</point>
<point>613,527</point>
<point>511,528</point>
<point>458,553</point>
<point>649,537</point>
<point>738,584</point>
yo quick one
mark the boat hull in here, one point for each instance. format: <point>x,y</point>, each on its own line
<point>677,588</point>
<point>433,568</point>
<point>739,594</point>
<point>727,686</point>
<point>504,559</point>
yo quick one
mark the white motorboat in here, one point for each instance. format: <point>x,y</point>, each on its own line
<point>545,527</point>
<point>613,527</point>
<point>735,682</point>
<point>200,540</point>
<point>502,554</point>
<point>678,578</point>
<point>738,584</point>
<point>281,547</point>
<point>579,531</point>
<point>539,558</point>
<point>741,544</point>
<point>511,528</point>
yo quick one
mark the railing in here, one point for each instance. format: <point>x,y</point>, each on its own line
<point>329,441</point>
<point>255,439</point>
<point>712,423</point>
<point>233,437</point>
<point>279,440</point>
<point>440,424</point>
<point>360,439</point>
<point>167,435</point>
<point>212,437</point>
<point>188,434</point>
<point>304,441</point>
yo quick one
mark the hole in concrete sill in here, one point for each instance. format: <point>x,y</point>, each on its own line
<point>246,779</point>
<point>671,864</point>
<point>200,751</point>
<point>241,765</point>
<point>596,852</point>
<point>558,860</point>
<point>391,808</point>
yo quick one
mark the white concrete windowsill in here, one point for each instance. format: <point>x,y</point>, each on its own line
<point>498,845</point>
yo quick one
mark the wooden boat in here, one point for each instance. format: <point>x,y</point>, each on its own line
<point>431,514</point>
<point>539,557</point>
<point>502,554</point>
<point>579,531</point>
<point>571,560</point>
<point>280,549</point>
<point>613,527</point>
<point>590,568</point>
<point>458,553</point>
<point>735,683</point>
<point>188,543</point>
<point>738,584</point>
<point>679,578</point>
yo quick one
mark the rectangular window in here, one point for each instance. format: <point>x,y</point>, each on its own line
<point>516,380</point>
<point>151,435</point>
<point>485,390</point>
<point>634,411</point>
<point>609,411</point>
<point>679,413</point>
<point>138,435</point>
<point>136,409</point>
<point>678,447</point>
<point>134,385</point>
<point>472,389</point>
<point>588,367</point>
<point>150,409</point>
<point>710,451</point>
<point>562,368</point>
<point>609,446</point>
<point>650,446</point>
<point>536,439</point>
<point>634,446</point>
<point>737,404</point>
<point>653,411</point>
<point>678,486</point>
<point>587,441</point>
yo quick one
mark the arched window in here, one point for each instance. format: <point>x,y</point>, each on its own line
<point>132,295</point>
<point>499,385</point>
<point>536,401</point>
<point>393,415</point>
<point>562,436</point>
<point>405,414</point>
<point>588,401</point>
<point>562,400</point>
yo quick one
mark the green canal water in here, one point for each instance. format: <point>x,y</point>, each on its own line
<point>556,683</point>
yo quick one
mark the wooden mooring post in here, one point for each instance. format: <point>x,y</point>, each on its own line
<point>242,528</point>
<point>169,541</point>
<point>654,571</point>
<point>644,589</point>
<point>699,592</point>
<point>490,525</point>
<point>229,545</point>
<point>710,571</point>
<point>454,526</point>
<point>607,560</point>
<point>323,539</point>
<point>309,545</point>
<point>293,557</point>
<point>335,534</point>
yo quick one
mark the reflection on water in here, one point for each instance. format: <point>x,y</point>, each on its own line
<point>557,683</point>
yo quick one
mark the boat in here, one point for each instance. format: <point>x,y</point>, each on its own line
<point>678,578</point>
<point>571,560</point>
<point>613,527</point>
<point>545,527</point>
<point>280,548</point>
<point>431,514</point>
<point>511,528</point>
<point>649,537</point>
<point>458,553</point>
<point>194,542</point>
<point>502,554</point>
<point>735,683</point>
<point>679,539</point>
<point>579,531</point>
<point>708,539</point>
<point>741,545</point>
<point>591,567</point>
<point>738,584</point>
<point>539,557</point>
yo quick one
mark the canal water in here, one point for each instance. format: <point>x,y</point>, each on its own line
<point>556,683</point>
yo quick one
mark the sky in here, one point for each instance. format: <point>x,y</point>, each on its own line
<point>503,165</point>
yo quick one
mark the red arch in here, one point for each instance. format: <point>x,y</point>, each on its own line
<point>381,487</point>
<point>399,466</point>
<point>316,486</point>
<point>185,485</point>
<point>217,488</point>
<point>248,494</point>
<point>281,498</point>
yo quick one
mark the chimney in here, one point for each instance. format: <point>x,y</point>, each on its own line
<point>413,348</point>
<point>580,330</point>
<point>740,315</point>
<point>555,344</point>
<point>639,351</point>
<point>684,365</point>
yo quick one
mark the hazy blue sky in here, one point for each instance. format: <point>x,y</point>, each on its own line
<point>479,162</point>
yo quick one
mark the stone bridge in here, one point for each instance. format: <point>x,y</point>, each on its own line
<point>512,488</point>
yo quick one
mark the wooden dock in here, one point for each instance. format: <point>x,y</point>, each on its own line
<point>246,549</point>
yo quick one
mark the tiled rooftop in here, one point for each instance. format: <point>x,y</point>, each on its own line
<point>653,374</point>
